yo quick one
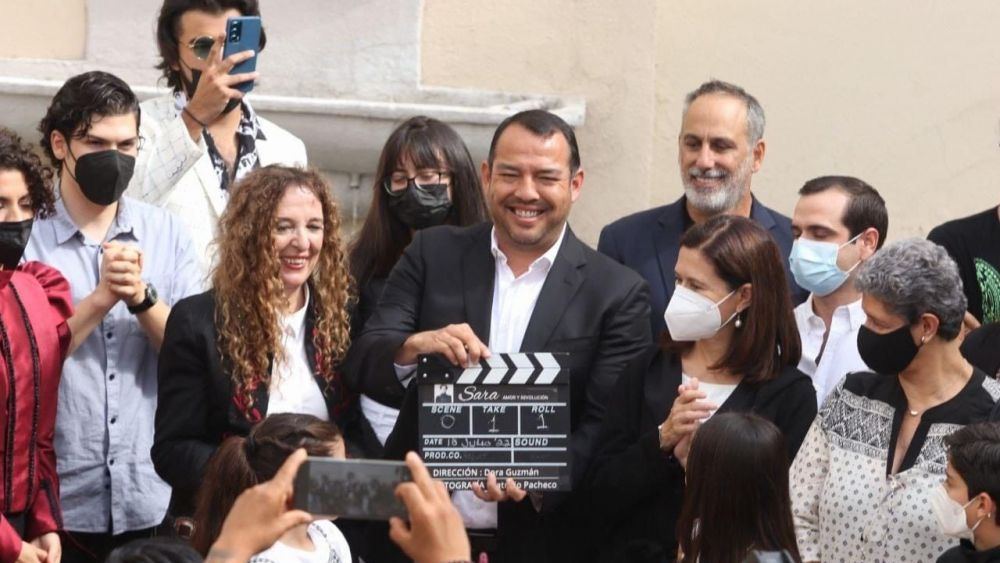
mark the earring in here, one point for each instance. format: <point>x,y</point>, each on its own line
<point>739,321</point>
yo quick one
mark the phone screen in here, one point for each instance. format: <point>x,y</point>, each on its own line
<point>362,489</point>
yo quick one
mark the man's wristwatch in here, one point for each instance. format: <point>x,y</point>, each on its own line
<point>146,303</point>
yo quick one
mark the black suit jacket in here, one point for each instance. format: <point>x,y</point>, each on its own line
<point>648,242</point>
<point>634,491</point>
<point>589,306</point>
<point>197,408</point>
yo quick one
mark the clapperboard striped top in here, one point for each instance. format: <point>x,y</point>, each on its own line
<point>527,368</point>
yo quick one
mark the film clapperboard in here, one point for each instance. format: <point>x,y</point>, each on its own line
<point>509,415</point>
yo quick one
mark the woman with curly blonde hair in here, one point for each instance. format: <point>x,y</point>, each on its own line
<point>267,337</point>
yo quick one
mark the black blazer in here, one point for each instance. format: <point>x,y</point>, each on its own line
<point>364,307</point>
<point>197,408</point>
<point>589,306</point>
<point>635,489</point>
<point>648,242</point>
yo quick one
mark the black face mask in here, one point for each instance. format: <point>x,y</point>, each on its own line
<point>104,175</point>
<point>191,85</point>
<point>888,353</point>
<point>421,207</point>
<point>13,238</point>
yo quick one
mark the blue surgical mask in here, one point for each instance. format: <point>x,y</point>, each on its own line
<point>814,265</point>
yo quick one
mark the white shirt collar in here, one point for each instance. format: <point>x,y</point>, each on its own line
<point>852,312</point>
<point>544,261</point>
<point>294,324</point>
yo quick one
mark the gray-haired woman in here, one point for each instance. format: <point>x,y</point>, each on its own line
<point>867,475</point>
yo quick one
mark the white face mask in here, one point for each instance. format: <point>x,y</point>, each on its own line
<point>951,515</point>
<point>691,316</point>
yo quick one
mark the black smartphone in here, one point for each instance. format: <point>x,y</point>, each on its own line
<point>363,489</point>
<point>243,34</point>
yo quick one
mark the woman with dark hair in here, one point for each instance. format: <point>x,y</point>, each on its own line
<point>270,334</point>
<point>731,346</point>
<point>241,463</point>
<point>736,497</point>
<point>425,177</point>
<point>35,305</point>
<point>863,482</point>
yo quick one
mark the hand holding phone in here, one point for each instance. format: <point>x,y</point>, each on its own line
<point>218,87</point>
<point>260,514</point>
<point>435,531</point>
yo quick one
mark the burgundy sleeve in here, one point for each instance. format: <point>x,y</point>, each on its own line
<point>10,542</point>
<point>45,514</point>
<point>60,299</point>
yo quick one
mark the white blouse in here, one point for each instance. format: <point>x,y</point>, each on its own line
<point>329,546</point>
<point>716,393</point>
<point>293,387</point>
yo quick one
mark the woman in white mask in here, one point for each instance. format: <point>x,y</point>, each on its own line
<point>964,504</point>
<point>731,345</point>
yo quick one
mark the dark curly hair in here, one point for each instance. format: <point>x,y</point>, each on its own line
<point>17,155</point>
<point>82,98</point>
<point>168,30</point>
<point>247,282</point>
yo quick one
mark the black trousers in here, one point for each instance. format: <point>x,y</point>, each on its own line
<point>84,547</point>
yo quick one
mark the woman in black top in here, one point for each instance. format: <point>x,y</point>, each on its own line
<point>425,177</point>
<point>731,346</point>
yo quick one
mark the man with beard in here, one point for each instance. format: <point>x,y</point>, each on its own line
<point>524,283</point>
<point>721,146</point>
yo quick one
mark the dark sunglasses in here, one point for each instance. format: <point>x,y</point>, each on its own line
<point>201,46</point>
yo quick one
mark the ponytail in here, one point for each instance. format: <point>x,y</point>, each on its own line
<point>227,475</point>
<point>241,463</point>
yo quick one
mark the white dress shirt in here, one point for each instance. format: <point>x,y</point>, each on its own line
<point>716,393</point>
<point>514,300</point>
<point>840,356</point>
<point>293,387</point>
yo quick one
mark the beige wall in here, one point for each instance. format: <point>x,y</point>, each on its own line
<point>43,29</point>
<point>904,95</point>
<point>564,47</point>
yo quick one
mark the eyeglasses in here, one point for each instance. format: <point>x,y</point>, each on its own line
<point>425,178</point>
<point>201,46</point>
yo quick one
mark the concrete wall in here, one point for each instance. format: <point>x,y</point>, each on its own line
<point>603,51</point>
<point>43,29</point>
<point>904,94</point>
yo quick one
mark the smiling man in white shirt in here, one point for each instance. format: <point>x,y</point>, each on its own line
<point>524,283</point>
<point>839,222</point>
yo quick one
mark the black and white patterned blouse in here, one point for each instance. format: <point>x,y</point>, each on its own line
<point>248,132</point>
<point>847,505</point>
